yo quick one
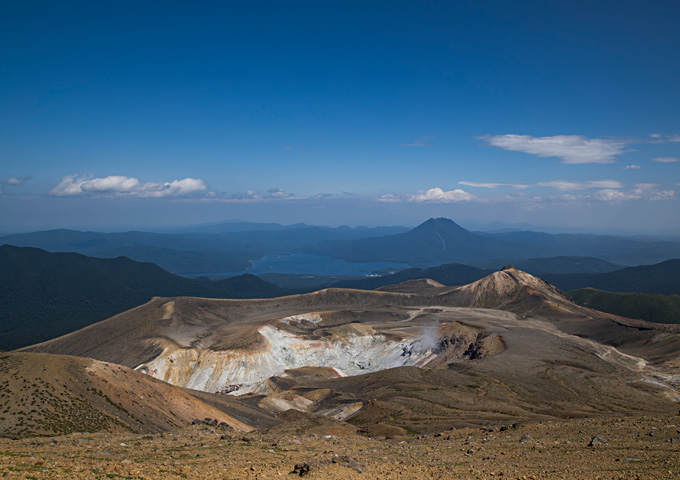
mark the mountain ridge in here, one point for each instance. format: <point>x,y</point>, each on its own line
<point>44,295</point>
<point>660,278</point>
<point>435,241</point>
<point>663,277</point>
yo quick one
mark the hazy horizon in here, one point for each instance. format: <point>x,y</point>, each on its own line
<point>468,224</point>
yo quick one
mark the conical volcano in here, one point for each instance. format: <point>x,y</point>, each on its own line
<point>438,240</point>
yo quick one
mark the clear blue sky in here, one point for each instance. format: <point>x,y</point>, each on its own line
<point>118,114</point>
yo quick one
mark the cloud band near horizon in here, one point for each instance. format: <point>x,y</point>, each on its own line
<point>122,186</point>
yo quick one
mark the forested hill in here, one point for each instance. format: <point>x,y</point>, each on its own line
<point>44,295</point>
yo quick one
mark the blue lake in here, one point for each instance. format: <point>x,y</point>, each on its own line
<point>304,264</point>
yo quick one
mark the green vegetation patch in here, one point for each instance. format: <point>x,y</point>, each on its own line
<point>651,307</point>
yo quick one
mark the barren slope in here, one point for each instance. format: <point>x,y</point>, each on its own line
<point>508,346</point>
<point>55,394</point>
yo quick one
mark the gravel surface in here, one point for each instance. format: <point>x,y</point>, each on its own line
<point>627,448</point>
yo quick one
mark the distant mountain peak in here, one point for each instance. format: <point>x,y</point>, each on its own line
<point>440,221</point>
<point>439,224</point>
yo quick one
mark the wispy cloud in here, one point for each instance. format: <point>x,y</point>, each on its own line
<point>270,195</point>
<point>609,195</point>
<point>659,138</point>
<point>495,185</point>
<point>421,142</point>
<point>642,191</point>
<point>567,185</point>
<point>14,181</point>
<point>433,195</point>
<point>564,185</point>
<point>390,198</point>
<point>122,186</point>
<point>666,159</point>
<point>572,149</point>
<point>256,195</point>
<point>632,167</point>
<point>651,192</point>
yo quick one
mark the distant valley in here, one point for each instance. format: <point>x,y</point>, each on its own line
<point>45,295</point>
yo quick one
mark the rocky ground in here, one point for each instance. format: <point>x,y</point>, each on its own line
<point>625,447</point>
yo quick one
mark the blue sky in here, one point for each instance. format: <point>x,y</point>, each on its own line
<point>148,114</point>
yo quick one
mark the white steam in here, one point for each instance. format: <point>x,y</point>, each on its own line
<point>430,338</point>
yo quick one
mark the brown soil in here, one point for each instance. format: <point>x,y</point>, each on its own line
<point>57,394</point>
<point>635,448</point>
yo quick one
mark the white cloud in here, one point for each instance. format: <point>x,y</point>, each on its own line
<point>16,180</point>
<point>632,167</point>
<point>674,138</point>
<point>609,195</point>
<point>655,135</point>
<point>666,159</point>
<point>572,149</point>
<point>122,186</point>
<point>651,192</point>
<point>255,195</point>
<point>277,193</point>
<point>389,198</point>
<point>642,191</point>
<point>421,142</point>
<point>437,195</point>
<point>661,195</point>
<point>247,195</point>
<point>433,195</point>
